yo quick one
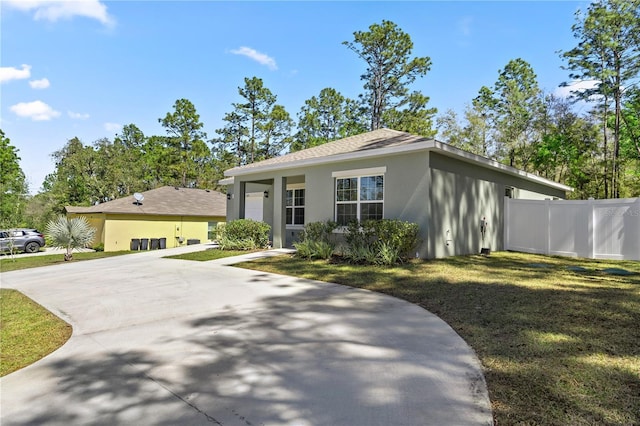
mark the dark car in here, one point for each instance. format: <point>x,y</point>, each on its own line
<point>26,240</point>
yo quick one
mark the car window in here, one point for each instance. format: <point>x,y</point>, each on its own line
<point>17,233</point>
<point>4,235</point>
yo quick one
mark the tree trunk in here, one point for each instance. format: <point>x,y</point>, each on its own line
<point>605,148</point>
<point>617,93</point>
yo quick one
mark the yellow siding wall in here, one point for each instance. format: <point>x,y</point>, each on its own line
<point>95,220</point>
<point>120,229</point>
<point>116,231</point>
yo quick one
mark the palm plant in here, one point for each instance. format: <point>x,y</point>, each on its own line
<point>71,233</point>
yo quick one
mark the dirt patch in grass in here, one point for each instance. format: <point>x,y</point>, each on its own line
<point>28,331</point>
<point>559,346</point>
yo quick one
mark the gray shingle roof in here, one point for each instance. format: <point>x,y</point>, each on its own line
<point>377,142</point>
<point>381,138</point>
<point>165,200</point>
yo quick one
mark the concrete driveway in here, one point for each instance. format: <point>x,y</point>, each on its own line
<point>171,342</point>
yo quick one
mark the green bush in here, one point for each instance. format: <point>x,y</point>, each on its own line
<point>361,254</point>
<point>358,236</point>
<point>400,236</point>
<point>317,241</point>
<point>383,242</point>
<point>324,250</point>
<point>244,234</point>
<point>99,247</point>
<point>387,254</point>
<point>308,249</point>
<point>304,249</point>
<point>320,231</point>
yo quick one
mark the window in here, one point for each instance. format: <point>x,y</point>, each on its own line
<point>295,206</point>
<point>360,198</point>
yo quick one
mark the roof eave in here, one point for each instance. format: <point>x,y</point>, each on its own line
<point>452,151</point>
<point>336,158</point>
<point>444,148</point>
<point>137,213</point>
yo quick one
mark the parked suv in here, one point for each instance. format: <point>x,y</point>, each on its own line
<point>26,240</point>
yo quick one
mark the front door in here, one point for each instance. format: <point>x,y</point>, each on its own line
<point>254,205</point>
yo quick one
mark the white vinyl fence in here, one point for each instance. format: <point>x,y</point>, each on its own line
<point>597,229</point>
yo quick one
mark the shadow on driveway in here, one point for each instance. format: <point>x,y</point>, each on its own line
<point>302,352</point>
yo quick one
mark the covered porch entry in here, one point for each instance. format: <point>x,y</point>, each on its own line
<point>279,202</point>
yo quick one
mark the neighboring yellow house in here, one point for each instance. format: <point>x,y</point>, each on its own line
<point>163,217</point>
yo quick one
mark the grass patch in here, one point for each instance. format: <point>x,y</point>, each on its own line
<point>28,331</point>
<point>7,264</point>
<point>209,254</point>
<point>558,346</point>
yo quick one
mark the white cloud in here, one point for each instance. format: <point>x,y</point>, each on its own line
<point>53,10</point>
<point>261,58</point>
<point>43,83</point>
<point>575,86</point>
<point>36,110</point>
<point>464,25</point>
<point>11,73</point>
<point>77,115</point>
<point>112,127</point>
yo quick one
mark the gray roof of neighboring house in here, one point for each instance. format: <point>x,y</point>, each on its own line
<point>166,200</point>
<point>376,143</point>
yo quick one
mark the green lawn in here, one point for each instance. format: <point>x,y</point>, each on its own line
<point>8,264</point>
<point>28,331</point>
<point>558,347</point>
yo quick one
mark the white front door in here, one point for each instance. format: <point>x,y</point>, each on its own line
<point>253,206</point>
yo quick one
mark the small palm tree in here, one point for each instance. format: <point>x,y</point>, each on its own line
<point>70,233</point>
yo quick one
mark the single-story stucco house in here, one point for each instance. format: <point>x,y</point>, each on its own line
<point>385,173</point>
<point>173,216</point>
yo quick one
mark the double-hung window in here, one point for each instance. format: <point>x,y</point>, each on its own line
<point>295,206</point>
<point>359,195</point>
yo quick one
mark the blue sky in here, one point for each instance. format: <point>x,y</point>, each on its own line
<point>86,68</point>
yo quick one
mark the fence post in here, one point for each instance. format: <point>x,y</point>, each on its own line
<point>547,203</point>
<point>591,229</point>
<point>505,236</point>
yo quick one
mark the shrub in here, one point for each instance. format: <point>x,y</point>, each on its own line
<point>308,249</point>
<point>99,247</point>
<point>317,241</point>
<point>358,235</point>
<point>387,254</point>
<point>361,254</point>
<point>319,231</point>
<point>399,236</point>
<point>383,242</point>
<point>304,249</point>
<point>324,250</point>
<point>244,234</point>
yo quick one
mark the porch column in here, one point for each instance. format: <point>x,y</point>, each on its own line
<point>239,190</point>
<point>279,217</point>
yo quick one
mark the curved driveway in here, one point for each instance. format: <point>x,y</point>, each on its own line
<point>171,342</point>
